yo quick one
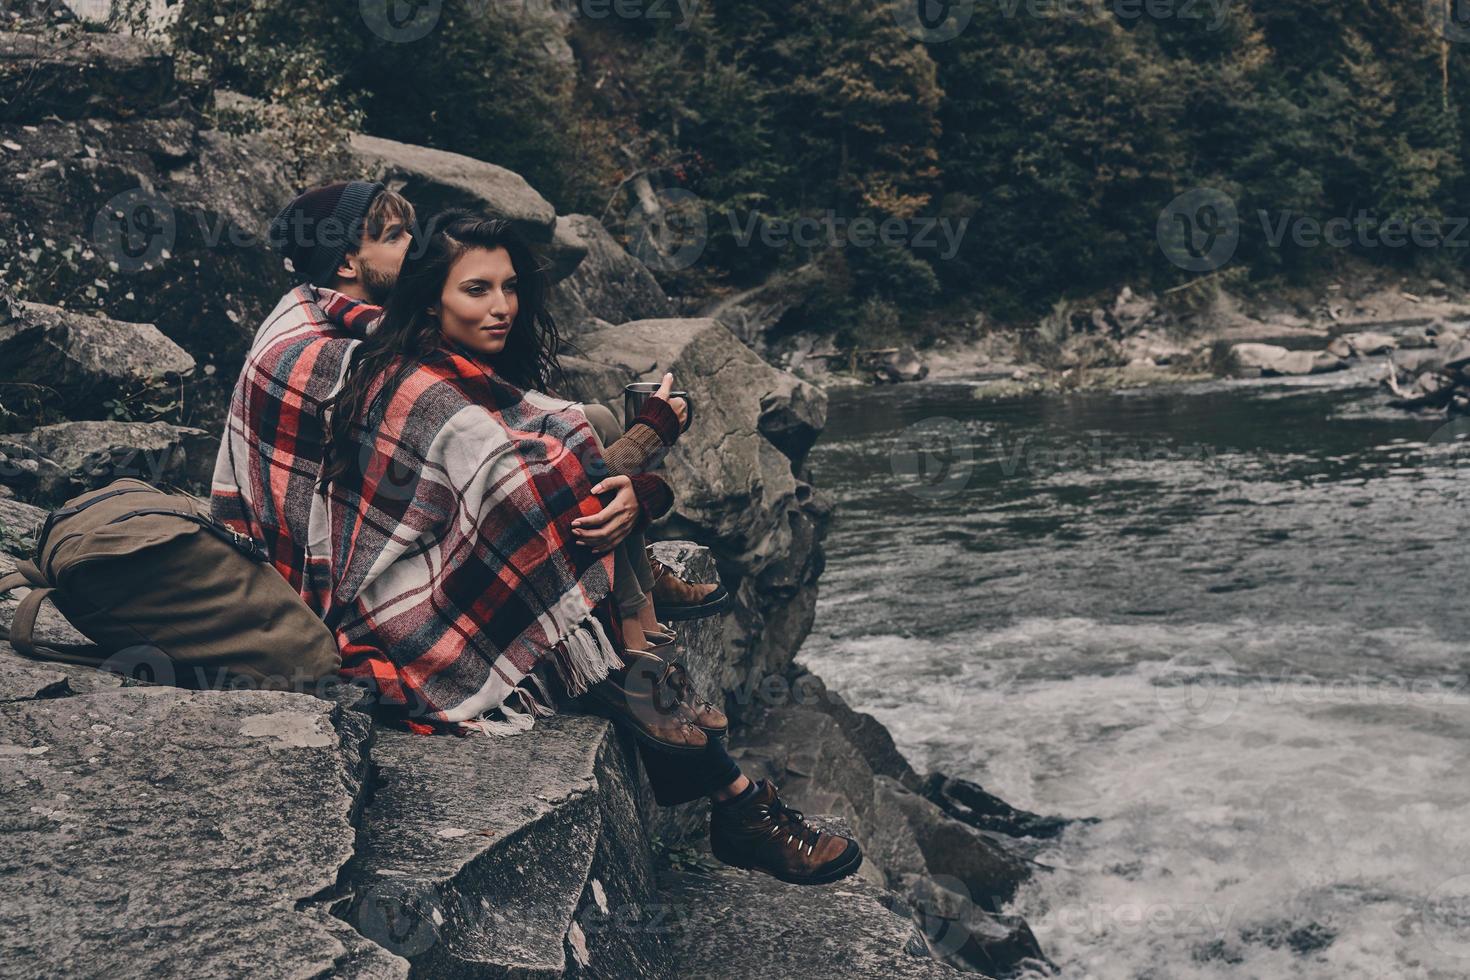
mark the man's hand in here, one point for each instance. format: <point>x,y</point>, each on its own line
<point>605,530</point>
<point>679,405</point>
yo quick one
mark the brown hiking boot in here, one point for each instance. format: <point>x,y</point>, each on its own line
<point>675,676</point>
<point>676,599</point>
<point>640,698</point>
<point>764,834</point>
<point>702,712</point>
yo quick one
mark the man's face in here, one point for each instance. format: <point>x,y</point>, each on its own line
<point>376,262</point>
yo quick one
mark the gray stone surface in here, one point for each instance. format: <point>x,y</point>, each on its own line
<point>479,854</point>
<point>735,490</point>
<point>80,74</point>
<point>610,284</point>
<point>437,179</point>
<point>90,454</point>
<point>87,359</point>
<point>751,313</point>
<point>23,679</point>
<point>158,832</point>
<point>744,925</point>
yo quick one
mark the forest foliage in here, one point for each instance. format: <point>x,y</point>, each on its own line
<point>1054,132</point>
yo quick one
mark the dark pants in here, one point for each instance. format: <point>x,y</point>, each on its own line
<point>681,778</point>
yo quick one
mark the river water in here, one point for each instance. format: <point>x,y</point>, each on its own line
<point>1227,619</point>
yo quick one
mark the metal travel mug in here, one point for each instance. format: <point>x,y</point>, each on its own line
<point>635,394</point>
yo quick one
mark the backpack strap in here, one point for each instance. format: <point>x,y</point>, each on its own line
<point>23,626</point>
<point>21,634</point>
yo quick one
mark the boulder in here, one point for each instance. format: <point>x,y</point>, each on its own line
<point>755,927</point>
<point>901,365</point>
<point>76,75</point>
<point>951,876</point>
<point>437,179</point>
<point>507,856</point>
<point>1416,362</point>
<point>751,314</point>
<point>609,284</point>
<point>1270,360</point>
<point>1369,343</point>
<point>86,359</point>
<point>567,250</point>
<point>83,456</point>
<point>1457,355</point>
<point>148,220</point>
<point>142,822</point>
<point>735,490</point>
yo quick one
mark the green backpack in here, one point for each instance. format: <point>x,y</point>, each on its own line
<point>166,591</point>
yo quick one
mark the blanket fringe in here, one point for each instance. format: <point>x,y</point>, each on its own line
<point>585,656</point>
<point>515,722</point>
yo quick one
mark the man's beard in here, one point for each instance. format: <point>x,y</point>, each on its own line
<point>377,284</point>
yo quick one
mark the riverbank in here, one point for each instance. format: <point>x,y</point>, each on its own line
<point>1139,341</point>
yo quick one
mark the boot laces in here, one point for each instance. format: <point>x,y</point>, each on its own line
<point>678,677</point>
<point>788,820</point>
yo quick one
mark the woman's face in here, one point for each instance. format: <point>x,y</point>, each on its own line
<point>479,302</point>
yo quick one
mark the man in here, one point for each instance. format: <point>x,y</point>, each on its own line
<point>348,242</point>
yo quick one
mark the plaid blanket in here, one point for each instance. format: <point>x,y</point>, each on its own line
<point>452,571</point>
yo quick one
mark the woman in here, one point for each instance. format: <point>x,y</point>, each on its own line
<point>470,547</point>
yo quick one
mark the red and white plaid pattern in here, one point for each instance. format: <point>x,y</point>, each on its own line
<point>452,570</point>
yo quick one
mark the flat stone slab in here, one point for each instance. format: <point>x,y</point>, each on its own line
<point>166,833</point>
<point>745,925</point>
<point>477,853</point>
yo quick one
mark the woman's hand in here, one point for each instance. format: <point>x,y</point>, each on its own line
<point>679,405</point>
<point>605,530</point>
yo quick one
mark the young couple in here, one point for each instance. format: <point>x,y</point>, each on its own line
<point>474,541</point>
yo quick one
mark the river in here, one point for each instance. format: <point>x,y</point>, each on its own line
<point>1227,619</point>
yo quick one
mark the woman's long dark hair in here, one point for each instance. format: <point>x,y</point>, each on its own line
<point>408,335</point>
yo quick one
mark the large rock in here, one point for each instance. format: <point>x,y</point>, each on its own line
<point>147,220</point>
<point>76,75</point>
<point>166,833</point>
<point>610,284</point>
<point>86,359</point>
<point>752,314</point>
<point>437,179</point>
<point>735,489</point>
<point>81,456</point>
<point>745,926</point>
<point>1269,360</point>
<point>490,856</point>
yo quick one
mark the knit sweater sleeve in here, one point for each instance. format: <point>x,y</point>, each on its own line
<point>647,440</point>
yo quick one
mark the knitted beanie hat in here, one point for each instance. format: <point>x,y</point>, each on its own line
<point>321,226</point>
